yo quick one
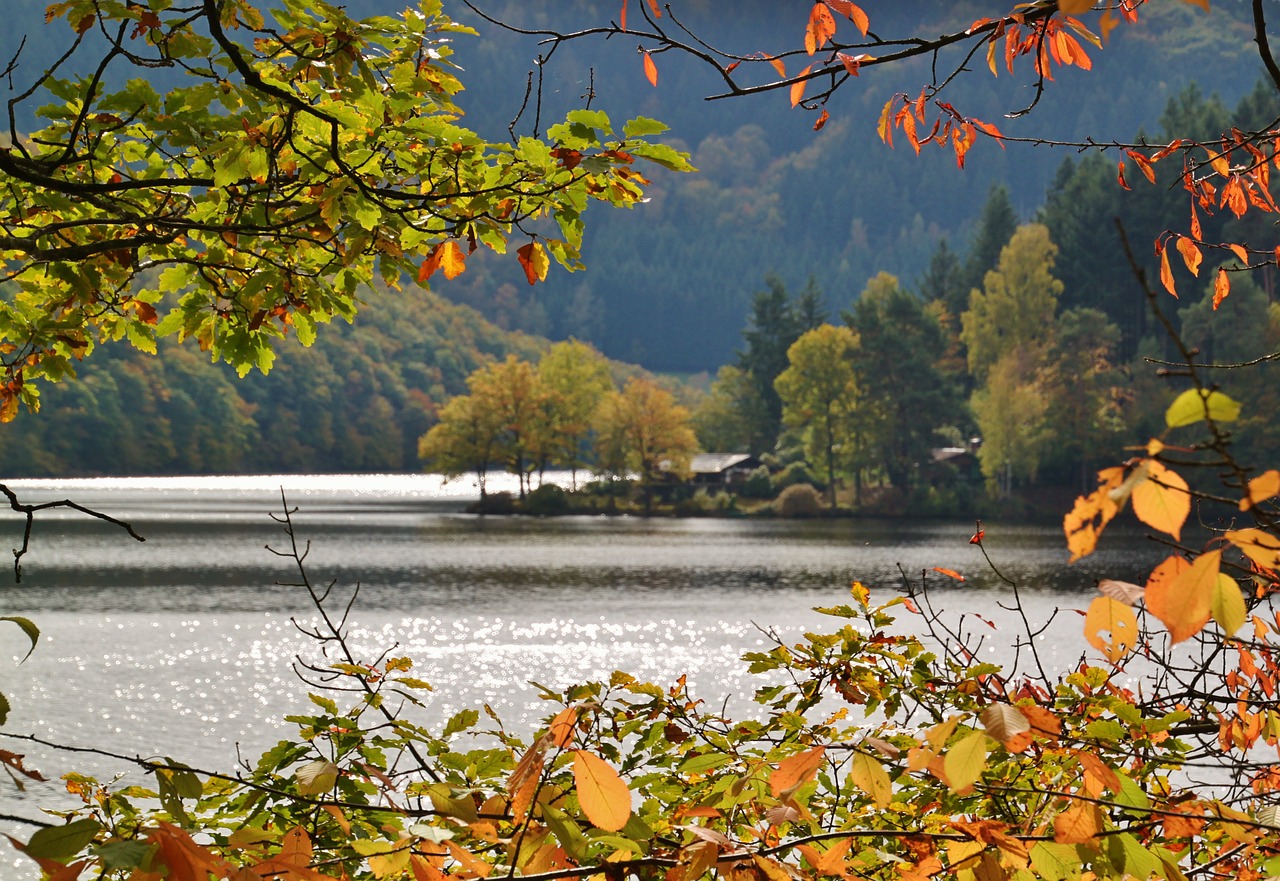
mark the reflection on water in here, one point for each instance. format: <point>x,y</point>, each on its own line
<point>183,645</point>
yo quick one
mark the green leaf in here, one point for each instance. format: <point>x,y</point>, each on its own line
<point>641,127</point>
<point>461,722</point>
<point>1191,407</point>
<point>965,762</point>
<point>1055,862</point>
<point>30,629</point>
<point>4,709</point>
<point>61,843</point>
<point>703,763</point>
<point>122,854</point>
<point>567,832</point>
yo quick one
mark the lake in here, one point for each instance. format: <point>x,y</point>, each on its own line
<point>183,646</point>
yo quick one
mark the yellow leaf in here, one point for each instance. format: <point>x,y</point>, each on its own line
<point>1074,7</point>
<point>603,795</point>
<point>452,260</point>
<point>1115,618</point>
<point>1192,406</point>
<point>870,776</point>
<point>1163,500</point>
<point>1188,601</point>
<point>1261,547</point>
<point>796,770</point>
<point>1261,488</point>
<point>965,762</point>
<point>1228,605</point>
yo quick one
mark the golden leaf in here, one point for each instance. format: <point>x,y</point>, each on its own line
<point>603,795</point>
<point>796,770</point>
<point>1187,601</point>
<point>1261,488</point>
<point>1115,618</point>
<point>1163,500</point>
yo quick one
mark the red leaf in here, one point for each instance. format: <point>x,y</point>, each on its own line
<point>1120,177</point>
<point>653,7</point>
<point>977,537</point>
<point>950,573</point>
<point>822,120</point>
<point>622,16</point>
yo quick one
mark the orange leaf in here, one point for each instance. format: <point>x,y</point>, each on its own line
<point>622,16</point>
<point>452,260</point>
<point>1187,603</point>
<point>533,259</point>
<point>430,265</point>
<point>821,121</point>
<point>603,795</point>
<point>1196,230</point>
<point>777,65</point>
<point>796,770</point>
<point>1120,176</point>
<point>1115,618</point>
<point>1262,548</point>
<point>1241,254</point>
<point>562,727</point>
<point>852,12</point>
<point>950,573</point>
<point>852,62</point>
<point>650,69</point>
<point>822,27</point>
<point>1078,824</point>
<point>1261,488</point>
<point>1162,500</point>
<point>653,7</point>
<point>797,88</point>
<point>1221,287</point>
<point>1190,254</point>
<point>1166,274</point>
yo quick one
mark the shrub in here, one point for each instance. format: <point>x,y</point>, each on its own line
<point>758,485</point>
<point>548,500</point>
<point>794,474</point>
<point>799,500</point>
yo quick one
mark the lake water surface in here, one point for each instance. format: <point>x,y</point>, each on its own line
<point>183,646</point>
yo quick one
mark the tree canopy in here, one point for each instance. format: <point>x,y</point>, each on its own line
<point>299,154</point>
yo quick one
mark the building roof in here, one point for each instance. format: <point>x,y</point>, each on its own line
<point>718,463</point>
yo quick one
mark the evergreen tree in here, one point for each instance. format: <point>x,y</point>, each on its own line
<point>774,324</point>
<point>995,227</point>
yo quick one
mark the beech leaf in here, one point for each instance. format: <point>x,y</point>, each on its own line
<point>965,762</point>
<point>1123,591</point>
<point>1261,488</point>
<point>1188,601</point>
<point>1117,619</point>
<point>870,776</point>
<point>1192,406</point>
<point>1228,607</point>
<point>1003,721</point>
<point>603,795</point>
<point>796,770</point>
<point>1163,500</point>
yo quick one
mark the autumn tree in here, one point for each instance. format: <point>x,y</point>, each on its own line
<point>464,441</point>
<point>820,397</point>
<point>298,155</point>
<point>512,395</point>
<point>642,430</point>
<point>574,377</point>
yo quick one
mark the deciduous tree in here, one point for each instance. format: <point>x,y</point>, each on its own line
<point>643,430</point>
<point>575,377</point>
<point>820,397</point>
